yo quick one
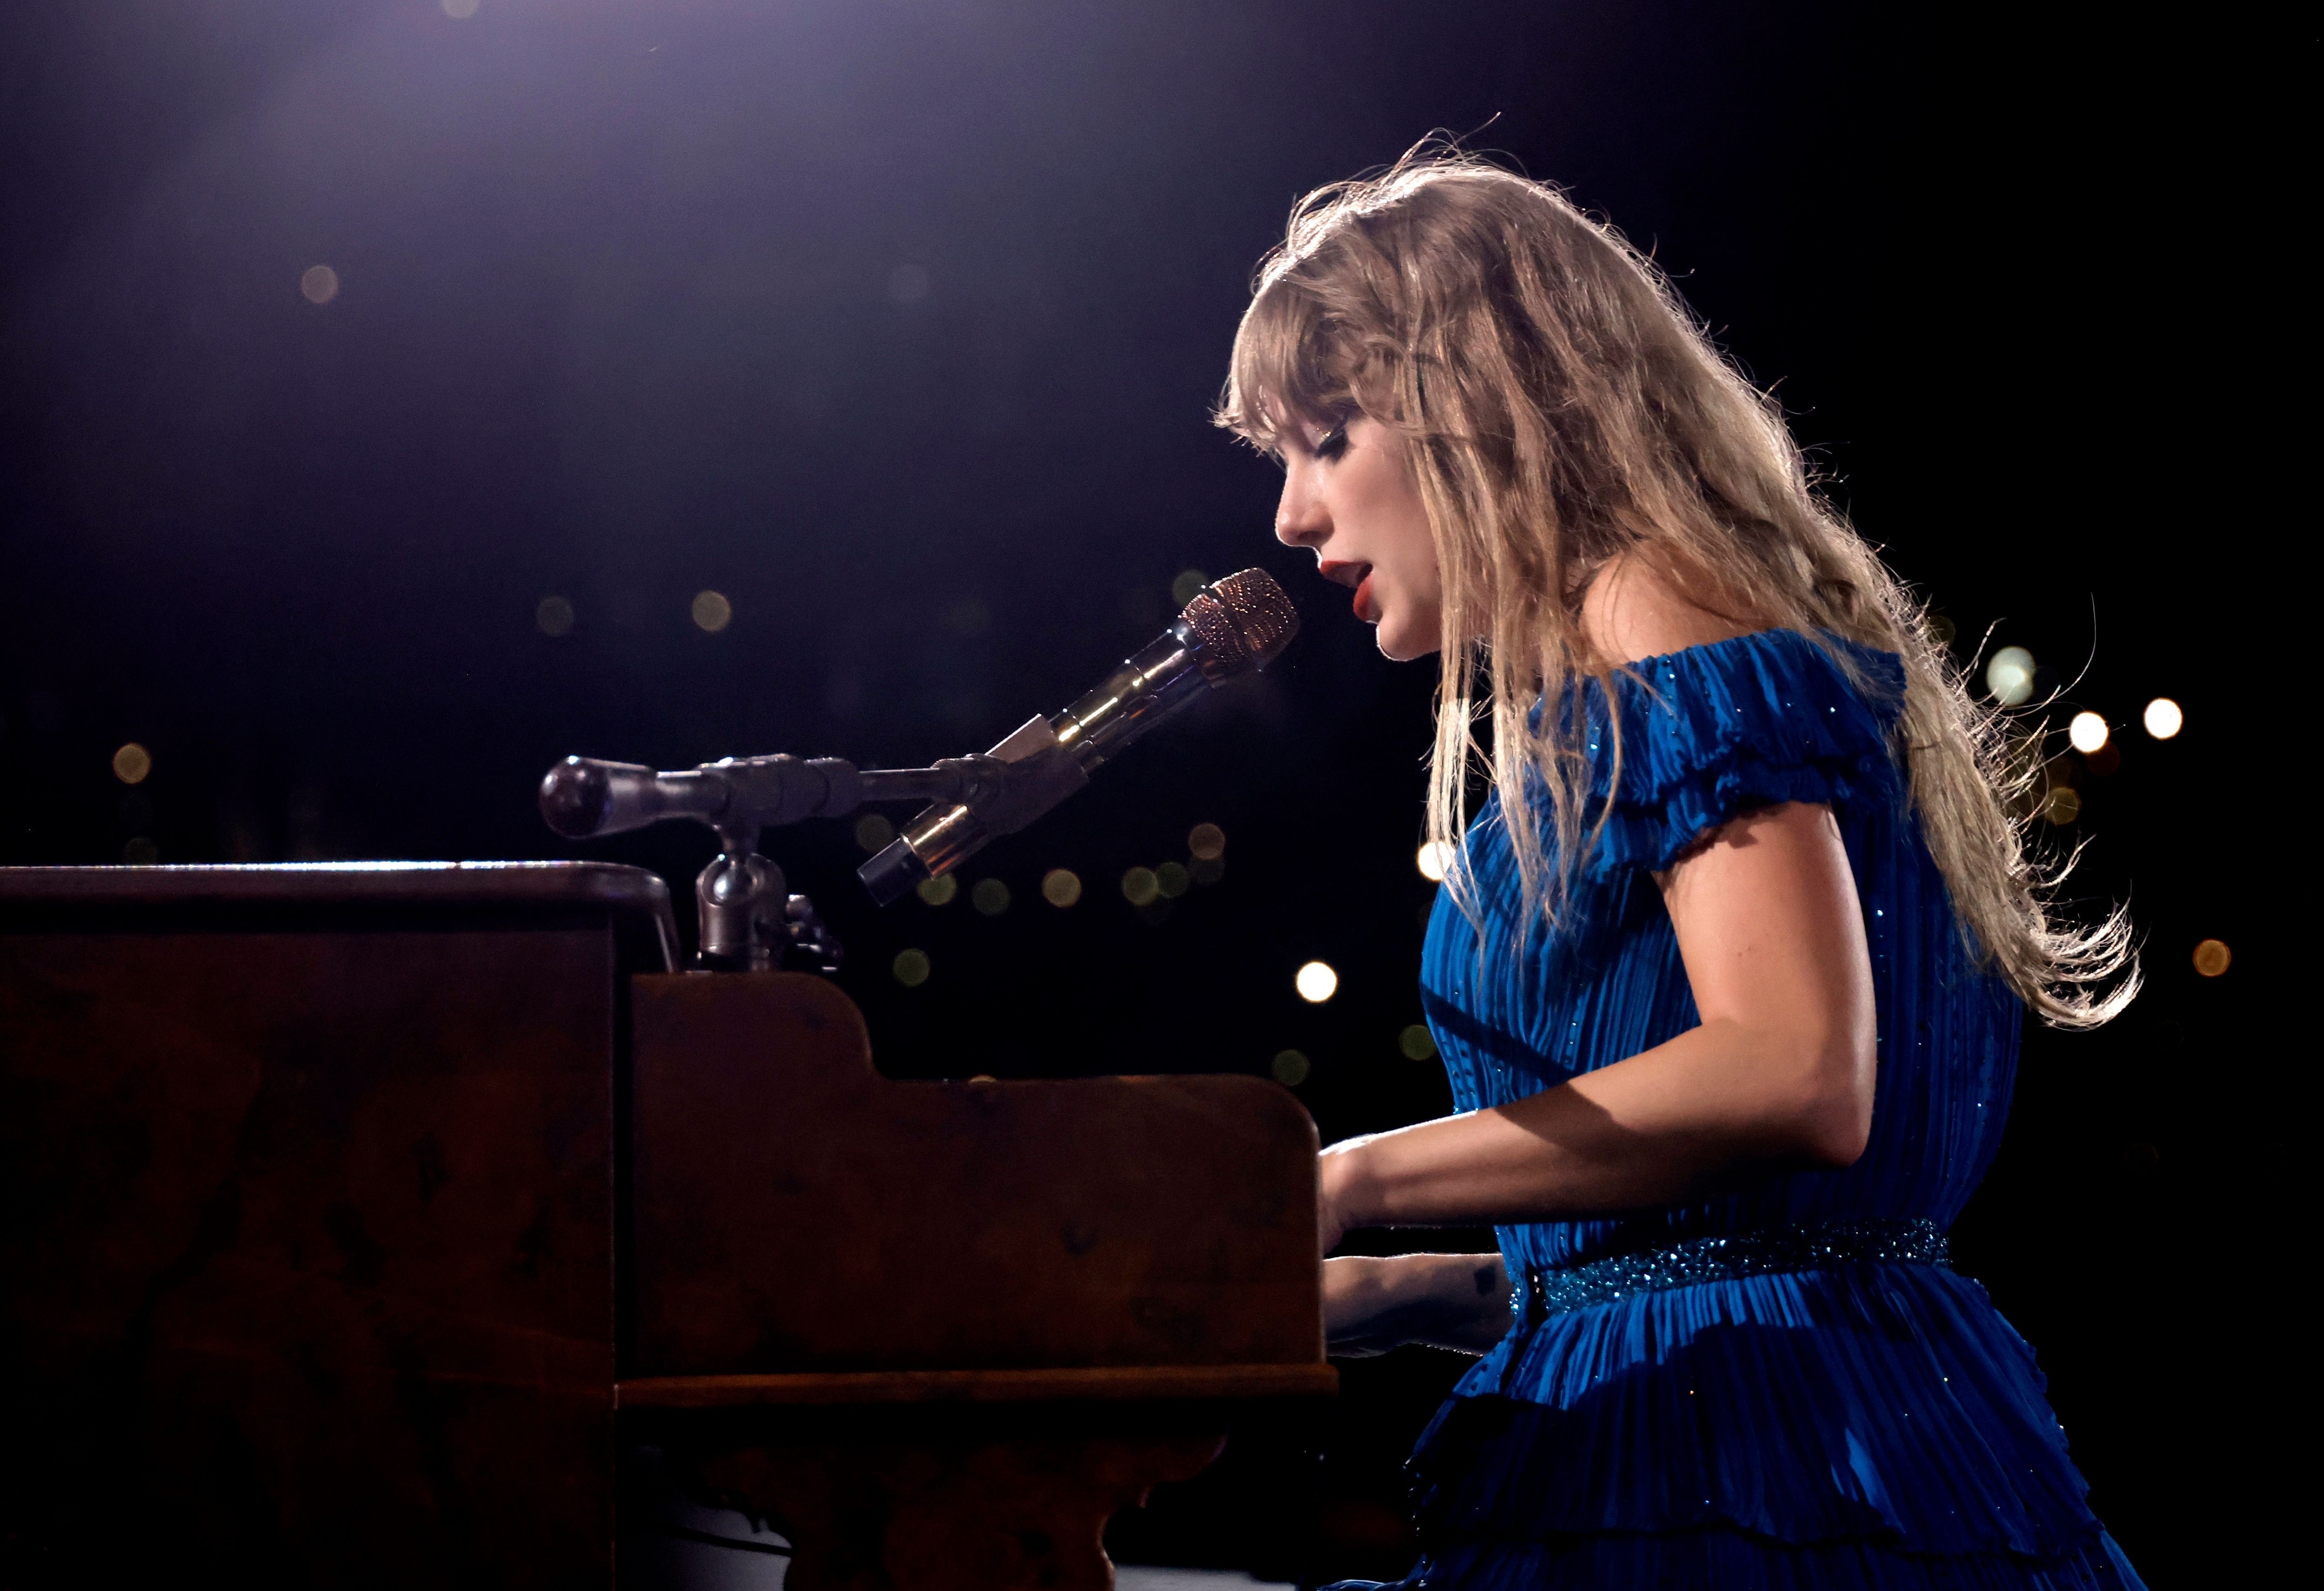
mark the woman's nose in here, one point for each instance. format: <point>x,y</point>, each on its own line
<point>1300,519</point>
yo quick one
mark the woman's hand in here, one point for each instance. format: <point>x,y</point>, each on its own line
<point>1454,1300</point>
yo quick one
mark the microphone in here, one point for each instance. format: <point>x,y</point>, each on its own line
<point>1233,627</point>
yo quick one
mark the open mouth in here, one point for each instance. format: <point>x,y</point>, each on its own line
<point>1357,577</point>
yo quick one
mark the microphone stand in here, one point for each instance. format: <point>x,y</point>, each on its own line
<point>1232,627</point>
<point>748,919</point>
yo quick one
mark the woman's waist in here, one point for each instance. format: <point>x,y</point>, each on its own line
<point>1760,1211</point>
<point>1641,1317</point>
<point>1541,1285</point>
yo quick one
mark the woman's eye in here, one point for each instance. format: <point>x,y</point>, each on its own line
<point>1333,444</point>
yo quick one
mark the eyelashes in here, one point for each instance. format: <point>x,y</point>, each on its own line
<point>1330,447</point>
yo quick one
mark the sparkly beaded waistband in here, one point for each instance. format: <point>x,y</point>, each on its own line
<point>1727,1257</point>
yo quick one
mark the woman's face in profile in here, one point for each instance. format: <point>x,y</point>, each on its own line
<point>1348,495</point>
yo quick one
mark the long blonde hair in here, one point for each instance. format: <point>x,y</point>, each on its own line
<point>1560,408</point>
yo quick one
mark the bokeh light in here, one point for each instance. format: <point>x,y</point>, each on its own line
<point>1184,589</point>
<point>873,831</point>
<point>2212,957</point>
<point>1317,982</point>
<point>2087,733</point>
<point>2162,718</point>
<point>318,284</point>
<point>711,611</point>
<point>2062,805</point>
<point>2009,676</point>
<point>1434,860</point>
<point>910,967</point>
<point>554,616</point>
<point>939,890</point>
<point>131,763</point>
<point>1289,1068</point>
<point>1171,880</point>
<point>1140,886</point>
<point>1417,1042</point>
<point>990,897</point>
<point>1061,888</point>
<point>1206,843</point>
<point>1941,629</point>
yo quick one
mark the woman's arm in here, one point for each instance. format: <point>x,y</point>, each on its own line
<point>1782,1066</point>
<point>1452,1301</point>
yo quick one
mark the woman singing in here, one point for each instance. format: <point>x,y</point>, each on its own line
<point>1729,971</point>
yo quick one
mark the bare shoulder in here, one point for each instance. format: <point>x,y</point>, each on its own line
<point>1631,610</point>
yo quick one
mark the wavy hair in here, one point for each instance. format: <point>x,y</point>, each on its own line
<point>1560,408</point>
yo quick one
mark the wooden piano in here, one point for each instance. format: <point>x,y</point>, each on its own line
<point>359,1218</point>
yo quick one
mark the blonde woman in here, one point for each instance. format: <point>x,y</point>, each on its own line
<point>1729,973</point>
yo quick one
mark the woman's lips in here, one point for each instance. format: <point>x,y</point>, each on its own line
<point>1357,577</point>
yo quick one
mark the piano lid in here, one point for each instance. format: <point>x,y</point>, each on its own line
<point>637,899</point>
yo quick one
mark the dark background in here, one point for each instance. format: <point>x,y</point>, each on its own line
<point>896,322</point>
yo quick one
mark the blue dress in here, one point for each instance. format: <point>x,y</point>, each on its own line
<point>1864,1423</point>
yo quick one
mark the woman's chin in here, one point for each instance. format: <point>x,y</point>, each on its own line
<point>1398,644</point>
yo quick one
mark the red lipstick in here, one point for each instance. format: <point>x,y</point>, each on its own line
<point>1358,577</point>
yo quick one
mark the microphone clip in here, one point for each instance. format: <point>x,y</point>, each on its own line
<point>1000,791</point>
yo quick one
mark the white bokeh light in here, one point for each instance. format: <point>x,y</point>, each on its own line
<point>2162,718</point>
<point>1317,982</point>
<point>2010,675</point>
<point>1435,858</point>
<point>2087,733</point>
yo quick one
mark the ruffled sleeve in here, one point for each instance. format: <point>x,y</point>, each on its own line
<point>1717,730</point>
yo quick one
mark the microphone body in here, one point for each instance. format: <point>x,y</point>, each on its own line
<point>1235,627</point>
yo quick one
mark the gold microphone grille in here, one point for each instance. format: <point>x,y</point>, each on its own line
<point>1244,622</point>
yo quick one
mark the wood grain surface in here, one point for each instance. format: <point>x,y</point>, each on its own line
<point>796,1211</point>
<point>308,1230</point>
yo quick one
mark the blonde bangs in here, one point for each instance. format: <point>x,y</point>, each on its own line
<point>1279,374</point>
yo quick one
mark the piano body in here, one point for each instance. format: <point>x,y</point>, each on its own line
<point>360,1217</point>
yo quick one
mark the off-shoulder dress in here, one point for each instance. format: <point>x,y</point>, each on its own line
<point>1783,1384</point>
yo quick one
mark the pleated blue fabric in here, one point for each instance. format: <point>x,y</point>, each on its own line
<point>1858,1425</point>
